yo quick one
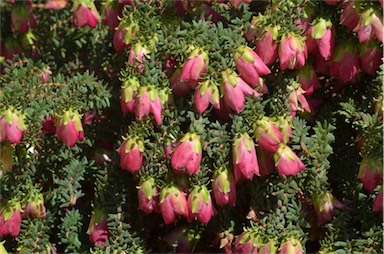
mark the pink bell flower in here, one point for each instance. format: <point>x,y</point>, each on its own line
<point>111,13</point>
<point>349,16</point>
<point>12,127</point>
<point>291,246</point>
<point>224,188</point>
<point>323,206</point>
<point>124,35</point>
<point>195,66</point>
<point>245,163</point>
<point>10,218</point>
<point>85,14</point>
<point>148,196</point>
<point>268,135</point>
<point>371,172</point>
<point>370,57</point>
<point>377,206</point>
<point>187,155</point>
<point>249,65</point>
<point>69,128</point>
<point>345,63</point>
<point>307,77</point>
<point>266,45</point>
<point>206,93</point>
<point>136,56</point>
<point>323,34</point>
<point>98,227</point>
<point>22,17</point>
<point>370,26</point>
<point>128,95</point>
<point>200,205</point>
<point>286,161</point>
<point>234,91</point>
<point>246,243</point>
<point>148,100</point>
<point>173,203</point>
<point>292,52</point>
<point>131,154</point>
<point>6,157</point>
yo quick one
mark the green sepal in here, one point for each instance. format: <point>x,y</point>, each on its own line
<point>8,114</point>
<point>245,53</point>
<point>248,142</point>
<point>319,28</point>
<point>195,139</point>
<point>204,86</point>
<point>152,93</point>
<point>148,188</point>
<point>215,94</point>
<point>9,208</point>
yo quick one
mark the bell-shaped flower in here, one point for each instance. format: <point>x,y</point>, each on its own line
<point>10,218</point>
<point>195,66</point>
<point>200,205</point>
<point>349,16</point>
<point>224,187</point>
<point>34,205</point>
<point>173,203</point>
<point>292,52</point>
<point>297,100</point>
<point>286,161</point>
<point>377,206</point>
<point>148,196</point>
<point>187,155</point>
<point>234,90</point>
<point>111,12</point>
<point>84,13</point>
<point>22,17</point>
<point>124,35</point>
<point>247,243</point>
<point>137,55</point>
<point>12,127</point>
<point>6,157</point>
<point>207,92</point>
<point>245,163</point>
<point>55,4</point>
<point>291,246</point>
<point>268,135</point>
<point>371,172</point>
<point>128,94</point>
<point>266,45</point>
<point>307,77</point>
<point>69,128</point>
<point>323,34</point>
<point>148,100</point>
<point>249,65</point>
<point>323,205</point>
<point>345,62</point>
<point>98,227</point>
<point>131,154</point>
<point>370,57</point>
<point>370,26</point>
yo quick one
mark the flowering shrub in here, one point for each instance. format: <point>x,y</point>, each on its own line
<point>130,126</point>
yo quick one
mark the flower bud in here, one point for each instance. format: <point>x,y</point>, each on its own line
<point>12,127</point>
<point>69,128</point>
<point>345,63</point>
<point>234,90</point>
<point>187,155</point>
<point>244,158</point>
<point>371,172</point>
<point>268,135</point>
<point>124,35</point>
<point>128,95</point>
<point>173,203</point>
<point>200,204</point>
<point>85,14</point>
<point>249,65</point>
<point>10,218</point>
<point>247,243</point>
<point>34,205</point>
<point>131,154</point>
<point>148,196</point>
<point>6,157</point>
<point>292,52</point>
<point>98,227</point>
<point>291,246</point>
<point>323,34</point>
<point>307,77</point>
<point>207,92</point>
<point>266,45</point>
<point>323,205</point>
<point>286,161</point>
<point>195,66</point>
<point>370,57</point>
<point>224,187</point>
